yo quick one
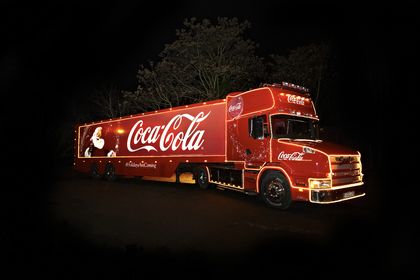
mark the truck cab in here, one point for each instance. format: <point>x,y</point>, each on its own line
<point>273,131</point>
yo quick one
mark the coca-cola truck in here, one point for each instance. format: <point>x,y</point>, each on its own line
<point>259,142</point>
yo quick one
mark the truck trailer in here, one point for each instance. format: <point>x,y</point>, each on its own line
<point>264,142</point>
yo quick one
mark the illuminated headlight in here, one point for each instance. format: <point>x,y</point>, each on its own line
<point>308,150</point>
<point>319,183</point>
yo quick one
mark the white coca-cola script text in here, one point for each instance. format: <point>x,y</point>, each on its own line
<point>291,156</point>
<point>168,136</point>
<point>295,100</point>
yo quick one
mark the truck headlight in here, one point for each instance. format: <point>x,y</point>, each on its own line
<point>319,183</point>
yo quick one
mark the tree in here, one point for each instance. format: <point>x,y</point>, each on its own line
<point>306,66</point>
<point>110,102</point>
<point>205,62</point>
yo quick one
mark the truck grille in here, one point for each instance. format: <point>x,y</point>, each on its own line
<point>346,170</point>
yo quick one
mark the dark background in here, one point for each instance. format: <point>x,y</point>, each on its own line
<point>54,56</point>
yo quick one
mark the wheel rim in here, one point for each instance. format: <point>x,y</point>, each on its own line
<point>275,191</point>
<point>94,171</point>
<point>110,172</point>
<point>202,178</point>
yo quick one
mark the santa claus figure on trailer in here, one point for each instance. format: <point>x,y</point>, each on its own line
<point>97,146</point>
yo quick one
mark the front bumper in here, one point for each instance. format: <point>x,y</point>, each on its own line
<point>336,194</point>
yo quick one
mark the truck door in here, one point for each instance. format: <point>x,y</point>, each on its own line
<point>257,142</point>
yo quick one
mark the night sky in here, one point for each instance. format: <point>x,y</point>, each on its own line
<point>54,57</point>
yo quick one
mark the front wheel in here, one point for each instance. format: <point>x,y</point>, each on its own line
<point>275,190</point>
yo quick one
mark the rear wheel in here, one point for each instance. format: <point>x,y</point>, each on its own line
<point>275,190</point>
<point>109,174</point>
<point>94,171</point>
<point>201,177</point>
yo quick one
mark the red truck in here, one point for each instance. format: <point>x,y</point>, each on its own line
<point>263,141</point>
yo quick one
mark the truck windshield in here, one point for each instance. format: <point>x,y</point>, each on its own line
<point>294,127</point>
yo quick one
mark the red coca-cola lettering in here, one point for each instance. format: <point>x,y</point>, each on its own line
<point>168,135</point>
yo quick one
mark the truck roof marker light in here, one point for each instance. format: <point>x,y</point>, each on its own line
<point>170,160</point>
<point>205,160</point>
<point>120,131</point>
<point>119,161</point>
<point>187,160</point>
<point>155,161</point>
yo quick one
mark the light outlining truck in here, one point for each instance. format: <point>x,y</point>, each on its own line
<point>259,142</point>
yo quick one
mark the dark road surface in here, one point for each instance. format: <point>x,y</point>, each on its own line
<point>131,226</point>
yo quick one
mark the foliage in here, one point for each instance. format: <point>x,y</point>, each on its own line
<point>205,62</point>
<point>306,66</point>
<point>110,102</point>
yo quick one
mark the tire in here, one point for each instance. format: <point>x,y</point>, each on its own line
<point>109,174</point>
<point>275,190</point>
<point>201,177</point>
<point>94,171</point>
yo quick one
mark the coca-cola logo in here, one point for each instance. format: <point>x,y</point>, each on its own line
<point>168,136</point>
<point>296,99</point>
<point>291,156</point>
<point>235,106</point>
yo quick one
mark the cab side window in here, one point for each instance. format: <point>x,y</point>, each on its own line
<point>257,127</point>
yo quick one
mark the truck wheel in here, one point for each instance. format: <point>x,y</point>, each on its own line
<point>109,174</point>
<point>94,171</point>
<point>275,190</point>
<point>201,177</point>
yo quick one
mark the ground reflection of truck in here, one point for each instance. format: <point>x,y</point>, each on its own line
<point>260,142</point>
